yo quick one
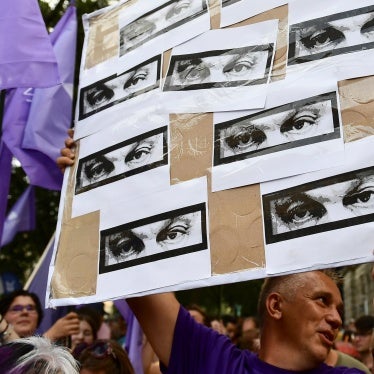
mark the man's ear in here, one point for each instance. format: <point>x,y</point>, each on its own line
<point>274,303</point>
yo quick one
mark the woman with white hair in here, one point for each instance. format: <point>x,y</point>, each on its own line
<point>36,355</point>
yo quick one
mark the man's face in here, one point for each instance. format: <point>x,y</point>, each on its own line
<point>312,318</point>
<point>22,315</point>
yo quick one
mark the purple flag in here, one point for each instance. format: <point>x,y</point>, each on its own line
<point>51,108</point>
<point>21,217</point>
<point>26,54</point>
<point>134,335</point>
<point>37,284</point>
<point>5,172</point>
<point>41,170</point>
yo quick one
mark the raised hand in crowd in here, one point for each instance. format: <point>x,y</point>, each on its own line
<point>65,326</point>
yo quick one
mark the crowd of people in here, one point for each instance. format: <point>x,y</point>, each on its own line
<point>298,329</point>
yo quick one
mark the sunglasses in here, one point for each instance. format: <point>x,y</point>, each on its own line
<point>20,308</point>
<point>99,349</point>
<point>356,335</point>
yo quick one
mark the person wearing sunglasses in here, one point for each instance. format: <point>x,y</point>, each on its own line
<point>361,339</point>
<point>102,357</point>
<point>23,311</point>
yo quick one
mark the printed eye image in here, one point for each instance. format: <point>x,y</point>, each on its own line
<point>170,234</point>
<point>228,2</point>
<point>227,68</point>
<point>108,92</point>
<point>138,79</point>
<point>332,35</point>
<point>346,198</point>
<point>124,159</point>
<point>158,21</point>
<point>100,95</point>
<point>287,124</point>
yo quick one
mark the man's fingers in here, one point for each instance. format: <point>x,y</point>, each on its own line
<point>69,142</point>
<point>67,152</point>
<point>71,133</point>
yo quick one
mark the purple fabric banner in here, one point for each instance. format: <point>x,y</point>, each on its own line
<point>51,108</point>
<point>40,169</point>
<point>134,336</point>
<point>38,285</point>
<point>26,54</point>
<point>5,173</point>
<point>21,217</point>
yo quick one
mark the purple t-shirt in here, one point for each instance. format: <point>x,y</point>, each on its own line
<point>198,349</point>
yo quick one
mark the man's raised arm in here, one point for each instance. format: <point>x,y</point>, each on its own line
<point>157,315</point>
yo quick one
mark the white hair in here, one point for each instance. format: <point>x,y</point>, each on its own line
<point>44,358</point>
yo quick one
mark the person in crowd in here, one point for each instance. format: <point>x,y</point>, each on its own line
<point>198,314</point>
<point>22,309</point>
<point>338,358</point>
<point>230,324</point>
<point>364,329</point>
<point>118,329</point>
<point>300,316</point>
<point>7,333</point>
<point>345,344</point>
<point>88,328</point>
<point>217,325</point>
<point>250,323</point>
<point>103,357</point>
<point>249,334</point>
<point>151,363</point>
<point>36,355</point>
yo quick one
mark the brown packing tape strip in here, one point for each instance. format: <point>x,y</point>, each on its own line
<point>75,272</point>
<point>235,224</point>
<point>357,107</point>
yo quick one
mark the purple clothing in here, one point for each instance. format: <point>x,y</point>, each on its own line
<point>199,349</point>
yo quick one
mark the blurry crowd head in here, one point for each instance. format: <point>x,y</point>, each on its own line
<point>198,314</point>
<point>23,310</point>
<point>362,336</point>
<point>103,357</point>
<point>36,355</point>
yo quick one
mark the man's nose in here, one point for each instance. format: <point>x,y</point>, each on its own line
<point>334,318</point>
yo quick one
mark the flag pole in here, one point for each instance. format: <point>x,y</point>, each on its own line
<point>2,107</point>
<point>41,259</point>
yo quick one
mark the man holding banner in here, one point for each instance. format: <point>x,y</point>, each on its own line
<point>300,318</point>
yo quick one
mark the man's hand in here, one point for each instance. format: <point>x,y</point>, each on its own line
<point>67,154</point>
<point>65,326</point>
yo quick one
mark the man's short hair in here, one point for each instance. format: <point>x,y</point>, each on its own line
<point>287,285</point>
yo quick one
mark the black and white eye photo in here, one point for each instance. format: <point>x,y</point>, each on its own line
<point>331,35</point>
<point>154,238</point>
<point>216,69</point>
<point>288,126</point>
<point>118,88</point>
<point>131,157</point>
<point>225,3</point>
<point>158,21</point>
<point>328,204</point>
